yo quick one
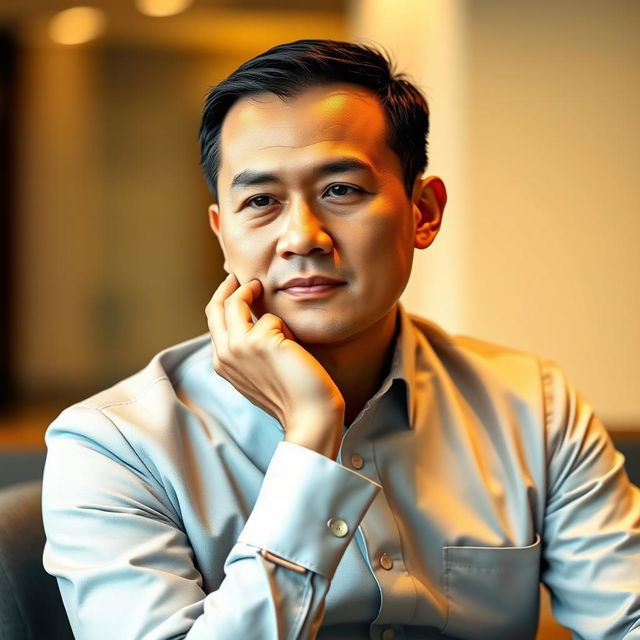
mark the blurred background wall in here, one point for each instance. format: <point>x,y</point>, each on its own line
<point>107,256</point>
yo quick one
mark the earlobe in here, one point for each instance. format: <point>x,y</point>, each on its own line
<point>430,198</point>
<point>214,223</point>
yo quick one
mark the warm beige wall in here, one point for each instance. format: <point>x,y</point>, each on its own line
<point>554,182</point>
<point>545,206</point>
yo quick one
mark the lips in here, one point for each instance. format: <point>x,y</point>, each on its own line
<point>312,286</point>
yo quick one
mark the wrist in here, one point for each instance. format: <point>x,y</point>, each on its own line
<point>319,432</point>
<point>325,446</point>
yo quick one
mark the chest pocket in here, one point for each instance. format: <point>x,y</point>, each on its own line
<point>492,592</point>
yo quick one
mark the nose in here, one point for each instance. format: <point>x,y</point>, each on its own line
<point>303,233</point>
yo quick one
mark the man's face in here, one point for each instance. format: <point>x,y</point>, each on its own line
<point>311,202</point>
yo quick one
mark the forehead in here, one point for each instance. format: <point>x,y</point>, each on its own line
<point>321,121</point>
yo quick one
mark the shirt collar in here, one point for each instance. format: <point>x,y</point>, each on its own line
<point>403,362</point>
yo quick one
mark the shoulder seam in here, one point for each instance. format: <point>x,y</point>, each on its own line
<point>138,454</point>
<point>131,400</point>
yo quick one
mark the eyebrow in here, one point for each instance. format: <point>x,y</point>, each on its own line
<point>251,178</point>
<point>343,166</point>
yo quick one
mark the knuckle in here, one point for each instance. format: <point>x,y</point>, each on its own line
<point>236,347</point>
<point>215,298</point>
<point>270,320</point>
<point>255,342</point>
<point>222,355</point>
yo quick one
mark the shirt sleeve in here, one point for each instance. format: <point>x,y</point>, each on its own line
<point>592,522</point>
<point>123,560</point>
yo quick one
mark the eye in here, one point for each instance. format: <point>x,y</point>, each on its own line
<point>260,202</point>
<point>341,190</point>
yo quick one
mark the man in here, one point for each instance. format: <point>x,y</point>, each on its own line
<point>343,470</point>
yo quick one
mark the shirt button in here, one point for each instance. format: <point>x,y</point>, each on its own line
<point>388,634</point>
<point>356,461</point>
<point>386,562</point>
<point>338,527</point>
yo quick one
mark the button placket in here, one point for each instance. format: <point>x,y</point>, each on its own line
<point>383,542</point>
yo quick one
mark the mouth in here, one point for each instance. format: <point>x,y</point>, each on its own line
<point>311,287</point>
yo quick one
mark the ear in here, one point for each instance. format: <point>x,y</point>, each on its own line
<point>214,223</point>
<point>429,200</point>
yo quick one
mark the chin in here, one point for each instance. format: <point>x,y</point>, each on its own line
<point>320,330</point>
<point>309,336</point>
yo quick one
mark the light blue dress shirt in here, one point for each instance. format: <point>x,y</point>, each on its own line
<point>173,508</point>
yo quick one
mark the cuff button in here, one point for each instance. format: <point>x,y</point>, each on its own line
<point>338,527</point>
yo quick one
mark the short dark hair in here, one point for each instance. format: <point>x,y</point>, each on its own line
<point>288,69</point>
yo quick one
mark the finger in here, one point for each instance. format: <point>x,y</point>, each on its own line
<point>248,291</point>
<point>270,324</point>
<point>238,319</point>
<point>215,311</point>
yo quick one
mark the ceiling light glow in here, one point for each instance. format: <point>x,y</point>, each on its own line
<point>77,25</point>
<point>162,8</point>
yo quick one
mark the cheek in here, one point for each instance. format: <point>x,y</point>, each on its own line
<point>390,239</point>
<point>387,256</point>
<point>245,253</point>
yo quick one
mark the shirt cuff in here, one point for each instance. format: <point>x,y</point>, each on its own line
<point>308,508</point>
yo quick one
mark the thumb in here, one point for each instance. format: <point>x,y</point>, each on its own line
<point>287,332</point>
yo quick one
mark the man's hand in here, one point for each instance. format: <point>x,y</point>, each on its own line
<point>265,364</point>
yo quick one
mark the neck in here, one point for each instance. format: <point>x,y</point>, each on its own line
<point>358,366</point>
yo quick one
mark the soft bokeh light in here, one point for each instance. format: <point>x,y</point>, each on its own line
<point>162,8</point>
<point>77,25</point>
